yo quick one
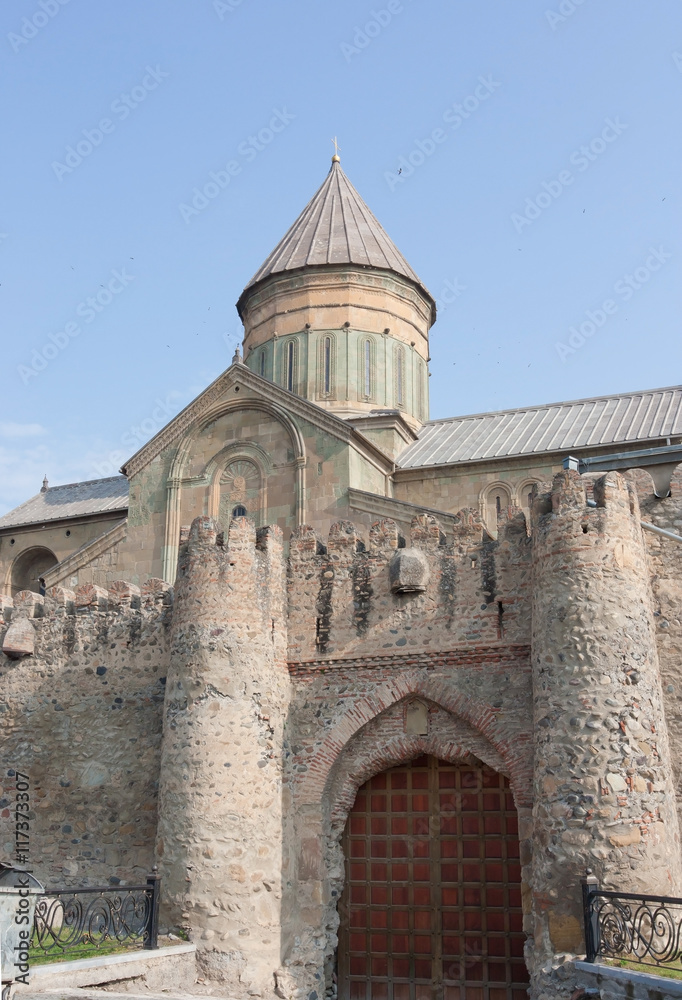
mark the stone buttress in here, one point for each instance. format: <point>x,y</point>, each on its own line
<point>220,817</point>
<point>603,792</point>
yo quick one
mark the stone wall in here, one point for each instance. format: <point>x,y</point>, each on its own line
<point>665,567</point>
<point>290,682</point>
<point>82,694</point>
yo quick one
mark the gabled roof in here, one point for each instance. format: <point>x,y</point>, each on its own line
<point>239,374</point>
<point>335,227</point>
<point>582,423</point>
<point>96,496</point>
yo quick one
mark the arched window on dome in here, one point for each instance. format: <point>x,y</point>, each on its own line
<point>400,377</point>
<point>240,511</point>
<point>367,368</point>
<point>261,363</point>
<point>327,367</point>
<point>291,365</point>
<point>421,390</point>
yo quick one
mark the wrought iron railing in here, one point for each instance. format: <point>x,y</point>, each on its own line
<point>630,926</point>
<point>68,918</point>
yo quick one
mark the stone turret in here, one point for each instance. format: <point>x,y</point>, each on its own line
<point>603,788</point>
<point>227,693</point>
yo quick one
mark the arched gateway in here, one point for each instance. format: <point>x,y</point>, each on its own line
<point>432,902</point>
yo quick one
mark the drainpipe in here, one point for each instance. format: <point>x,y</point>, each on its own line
<point>651,527</point>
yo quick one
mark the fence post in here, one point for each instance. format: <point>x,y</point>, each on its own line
<point>151,931</point>
<point>590,885</point>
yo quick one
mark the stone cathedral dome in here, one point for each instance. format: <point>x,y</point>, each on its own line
<point>336,314</point>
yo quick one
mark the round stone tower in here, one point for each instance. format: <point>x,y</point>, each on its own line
<point>604,797</point>
<point>337,315</point>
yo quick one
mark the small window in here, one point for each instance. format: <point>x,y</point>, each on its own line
<point>498,505</point>
<point>420,389</point>
<point>368,368</point>
<point>290,365</point>
<point>261,364</point>
<point>240,511</point>
<point>400,376</point>
<point>326,370</point>
<point>327,365</point>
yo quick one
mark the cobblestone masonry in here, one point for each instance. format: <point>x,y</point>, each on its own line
<point>81,715</point>
<point>603,784</point>
<point>290,682</point>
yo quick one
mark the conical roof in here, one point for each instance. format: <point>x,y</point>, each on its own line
<point>335,227</point>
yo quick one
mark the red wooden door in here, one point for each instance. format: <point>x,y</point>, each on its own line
<point>432,904</point>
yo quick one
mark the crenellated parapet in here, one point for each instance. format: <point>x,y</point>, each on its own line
<point>28,616</point>
<point>398,596</point>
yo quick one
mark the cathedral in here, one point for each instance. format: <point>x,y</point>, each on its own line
<point>372,690</point>
<point>326,416</point>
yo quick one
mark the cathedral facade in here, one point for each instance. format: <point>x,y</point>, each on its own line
<point>373,691</point>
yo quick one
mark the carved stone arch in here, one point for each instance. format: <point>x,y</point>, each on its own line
<point>232,457</point>
<point>181,458</point>
<point>489,505</point>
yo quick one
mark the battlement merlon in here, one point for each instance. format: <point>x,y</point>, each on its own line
<point>350,597</point>
<point>565,499</point>
<point>232,579</point>
<point>89,605</point>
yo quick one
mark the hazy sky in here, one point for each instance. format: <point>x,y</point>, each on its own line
<point>541,150</point>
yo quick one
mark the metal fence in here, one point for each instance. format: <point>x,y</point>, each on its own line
<point>631,926</point>
<point>68,918</point>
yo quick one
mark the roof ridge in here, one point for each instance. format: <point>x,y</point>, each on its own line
<point>84,482</point>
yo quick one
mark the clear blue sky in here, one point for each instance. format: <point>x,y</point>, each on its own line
<point>183,84</point>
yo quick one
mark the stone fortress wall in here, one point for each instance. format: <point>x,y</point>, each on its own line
<point>289,682</point>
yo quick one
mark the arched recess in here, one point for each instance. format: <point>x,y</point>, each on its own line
<point>515,749</point>
<point>370,740</point>
<point>179,465</point>
<point>523,495</point>
<point>492,501</point>
<point>238,475</point>
<point>29,567</point>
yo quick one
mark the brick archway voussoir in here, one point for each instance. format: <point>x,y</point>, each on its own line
<point>514,747</point>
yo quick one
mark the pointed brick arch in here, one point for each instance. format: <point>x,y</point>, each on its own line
<point>514,748</point>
